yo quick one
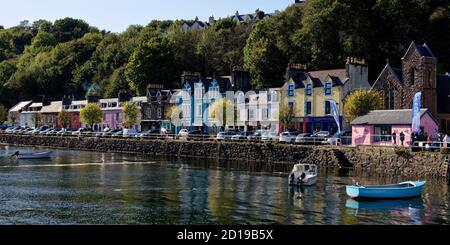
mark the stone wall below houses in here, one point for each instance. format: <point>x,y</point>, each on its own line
<point>365,160</point>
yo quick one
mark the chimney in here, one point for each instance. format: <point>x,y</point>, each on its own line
<point>125,95</point>
<point>93,98</point>
<point>240,79</point>
<point>67,100</point>
<point>190,76</point>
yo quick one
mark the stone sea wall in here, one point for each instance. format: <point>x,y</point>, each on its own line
<point>366,160</point>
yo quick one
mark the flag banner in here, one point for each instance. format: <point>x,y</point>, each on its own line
<point>416,112</point>
<point>335,113</point>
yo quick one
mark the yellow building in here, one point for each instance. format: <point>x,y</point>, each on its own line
<point>309,93</point>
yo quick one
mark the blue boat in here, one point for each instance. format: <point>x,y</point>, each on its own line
<point>402,190</point>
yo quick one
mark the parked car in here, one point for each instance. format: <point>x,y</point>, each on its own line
<point>66,131</point>
<point>24,130</point>
<point>37,130</point>
<point>154,133</point>
<point>269,136</point>
<point>118,134</point>
<point>242,136</point>
<point>82,131</point>
<point>288,137</point>
<point>197,135</point>
<point>11,129</point>
<point>225,135</point>
<point>111,132</point>
<point>183,133</point>
<point>3,127</point>
<point>344,138</point>
<point>322,134</point>
<point>44,132</point>
<point>130,132</point>
<point>303,138</point>
<point>256,136</point>
<point>54,131</point>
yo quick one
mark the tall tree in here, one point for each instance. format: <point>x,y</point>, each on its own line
<point>131,113</point>
<point>64,118</point>
<point>151,62</point>
<point>360,102</point>
<point>91,114</point>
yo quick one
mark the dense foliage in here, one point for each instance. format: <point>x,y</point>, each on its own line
<point>91,114</point>
<point>360,102</point>
<point>68,56</point>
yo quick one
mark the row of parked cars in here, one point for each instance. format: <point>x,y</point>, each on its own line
<point>290,137</point>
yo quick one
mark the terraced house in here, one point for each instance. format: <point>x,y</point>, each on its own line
<point>308,94</point>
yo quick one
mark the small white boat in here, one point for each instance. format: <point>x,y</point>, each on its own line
<point>35,155</point>
<point>303,175</point>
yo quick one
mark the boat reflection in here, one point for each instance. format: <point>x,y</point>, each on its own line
<point>398,210</point>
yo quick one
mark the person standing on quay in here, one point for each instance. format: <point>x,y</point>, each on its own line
<point>402,138</point>
<point>394,138</point>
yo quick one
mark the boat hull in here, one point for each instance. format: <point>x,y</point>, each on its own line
<point>387,192</point>
<point>41,155</point>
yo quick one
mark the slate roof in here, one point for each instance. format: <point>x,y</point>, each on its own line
<point>425,50</point>
<point>388,117</point>
<point>54,107</point>
<point>20,106</point>
<point>322,74</point>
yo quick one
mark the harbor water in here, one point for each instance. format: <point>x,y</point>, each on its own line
<point>75,187</point>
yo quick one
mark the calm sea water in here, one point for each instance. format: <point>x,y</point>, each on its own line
<point>104,188</point>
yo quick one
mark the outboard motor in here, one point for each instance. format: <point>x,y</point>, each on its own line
<point>301,178</point>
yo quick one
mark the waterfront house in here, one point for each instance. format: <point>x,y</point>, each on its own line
<point>259,110</point>
<point>377,127</point>
<point>74,109</point>
<point>198,94</point>
<point>309,94</point>
<point>417,74</point>
<point>155,111</point>
<point>30,116</point>
<point>14,113</point>
<point>49,114</point>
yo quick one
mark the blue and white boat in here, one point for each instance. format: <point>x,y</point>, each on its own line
<point>402,190</point>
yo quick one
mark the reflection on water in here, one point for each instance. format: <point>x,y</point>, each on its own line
<point>105,188</point>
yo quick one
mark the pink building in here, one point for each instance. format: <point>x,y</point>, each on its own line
<point>378,127</point>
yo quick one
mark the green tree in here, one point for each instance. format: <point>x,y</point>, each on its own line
<point>91,114</point>
<point>360,102</point>
<point>223,112</point>
<point>131,112</point>
<point>263,58</point>
<point>151,62</point>
<point>64,119</point>
<point>285,115</point>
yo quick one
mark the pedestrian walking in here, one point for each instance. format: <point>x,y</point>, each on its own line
<point>402,138</point>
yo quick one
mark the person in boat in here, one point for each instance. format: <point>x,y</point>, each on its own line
<point>16,154</point>
<point>301,178</point>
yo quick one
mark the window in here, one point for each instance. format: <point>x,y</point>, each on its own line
<point>328,87</point>
<point>117,116</point>
<point>383,133</point>
<point>389,98</point>
<point>198,112</point>
<point>251,114</point>
<point>308,108</point>
<point>291,90</point>
<point>412,75</point>
<point>327,109</point>
<point>159,114</point>
<point>308,89</point>
<point>291,108</point>
<point>265,114</point>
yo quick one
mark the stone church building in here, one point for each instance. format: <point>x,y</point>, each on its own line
<point>417,74</point>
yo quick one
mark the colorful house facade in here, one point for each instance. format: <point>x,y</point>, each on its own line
<point>377,127</point>
<point>309,94</point>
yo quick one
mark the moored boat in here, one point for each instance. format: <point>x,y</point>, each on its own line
<point>34,155</point>
<point>303,175</point>
<point>406,189</point>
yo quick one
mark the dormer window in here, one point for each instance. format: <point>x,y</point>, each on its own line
<point>308,89</point>
<point>328,88</point>
<point>291,90</point>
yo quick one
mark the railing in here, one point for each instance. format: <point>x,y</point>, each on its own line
<point>373,140</point>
